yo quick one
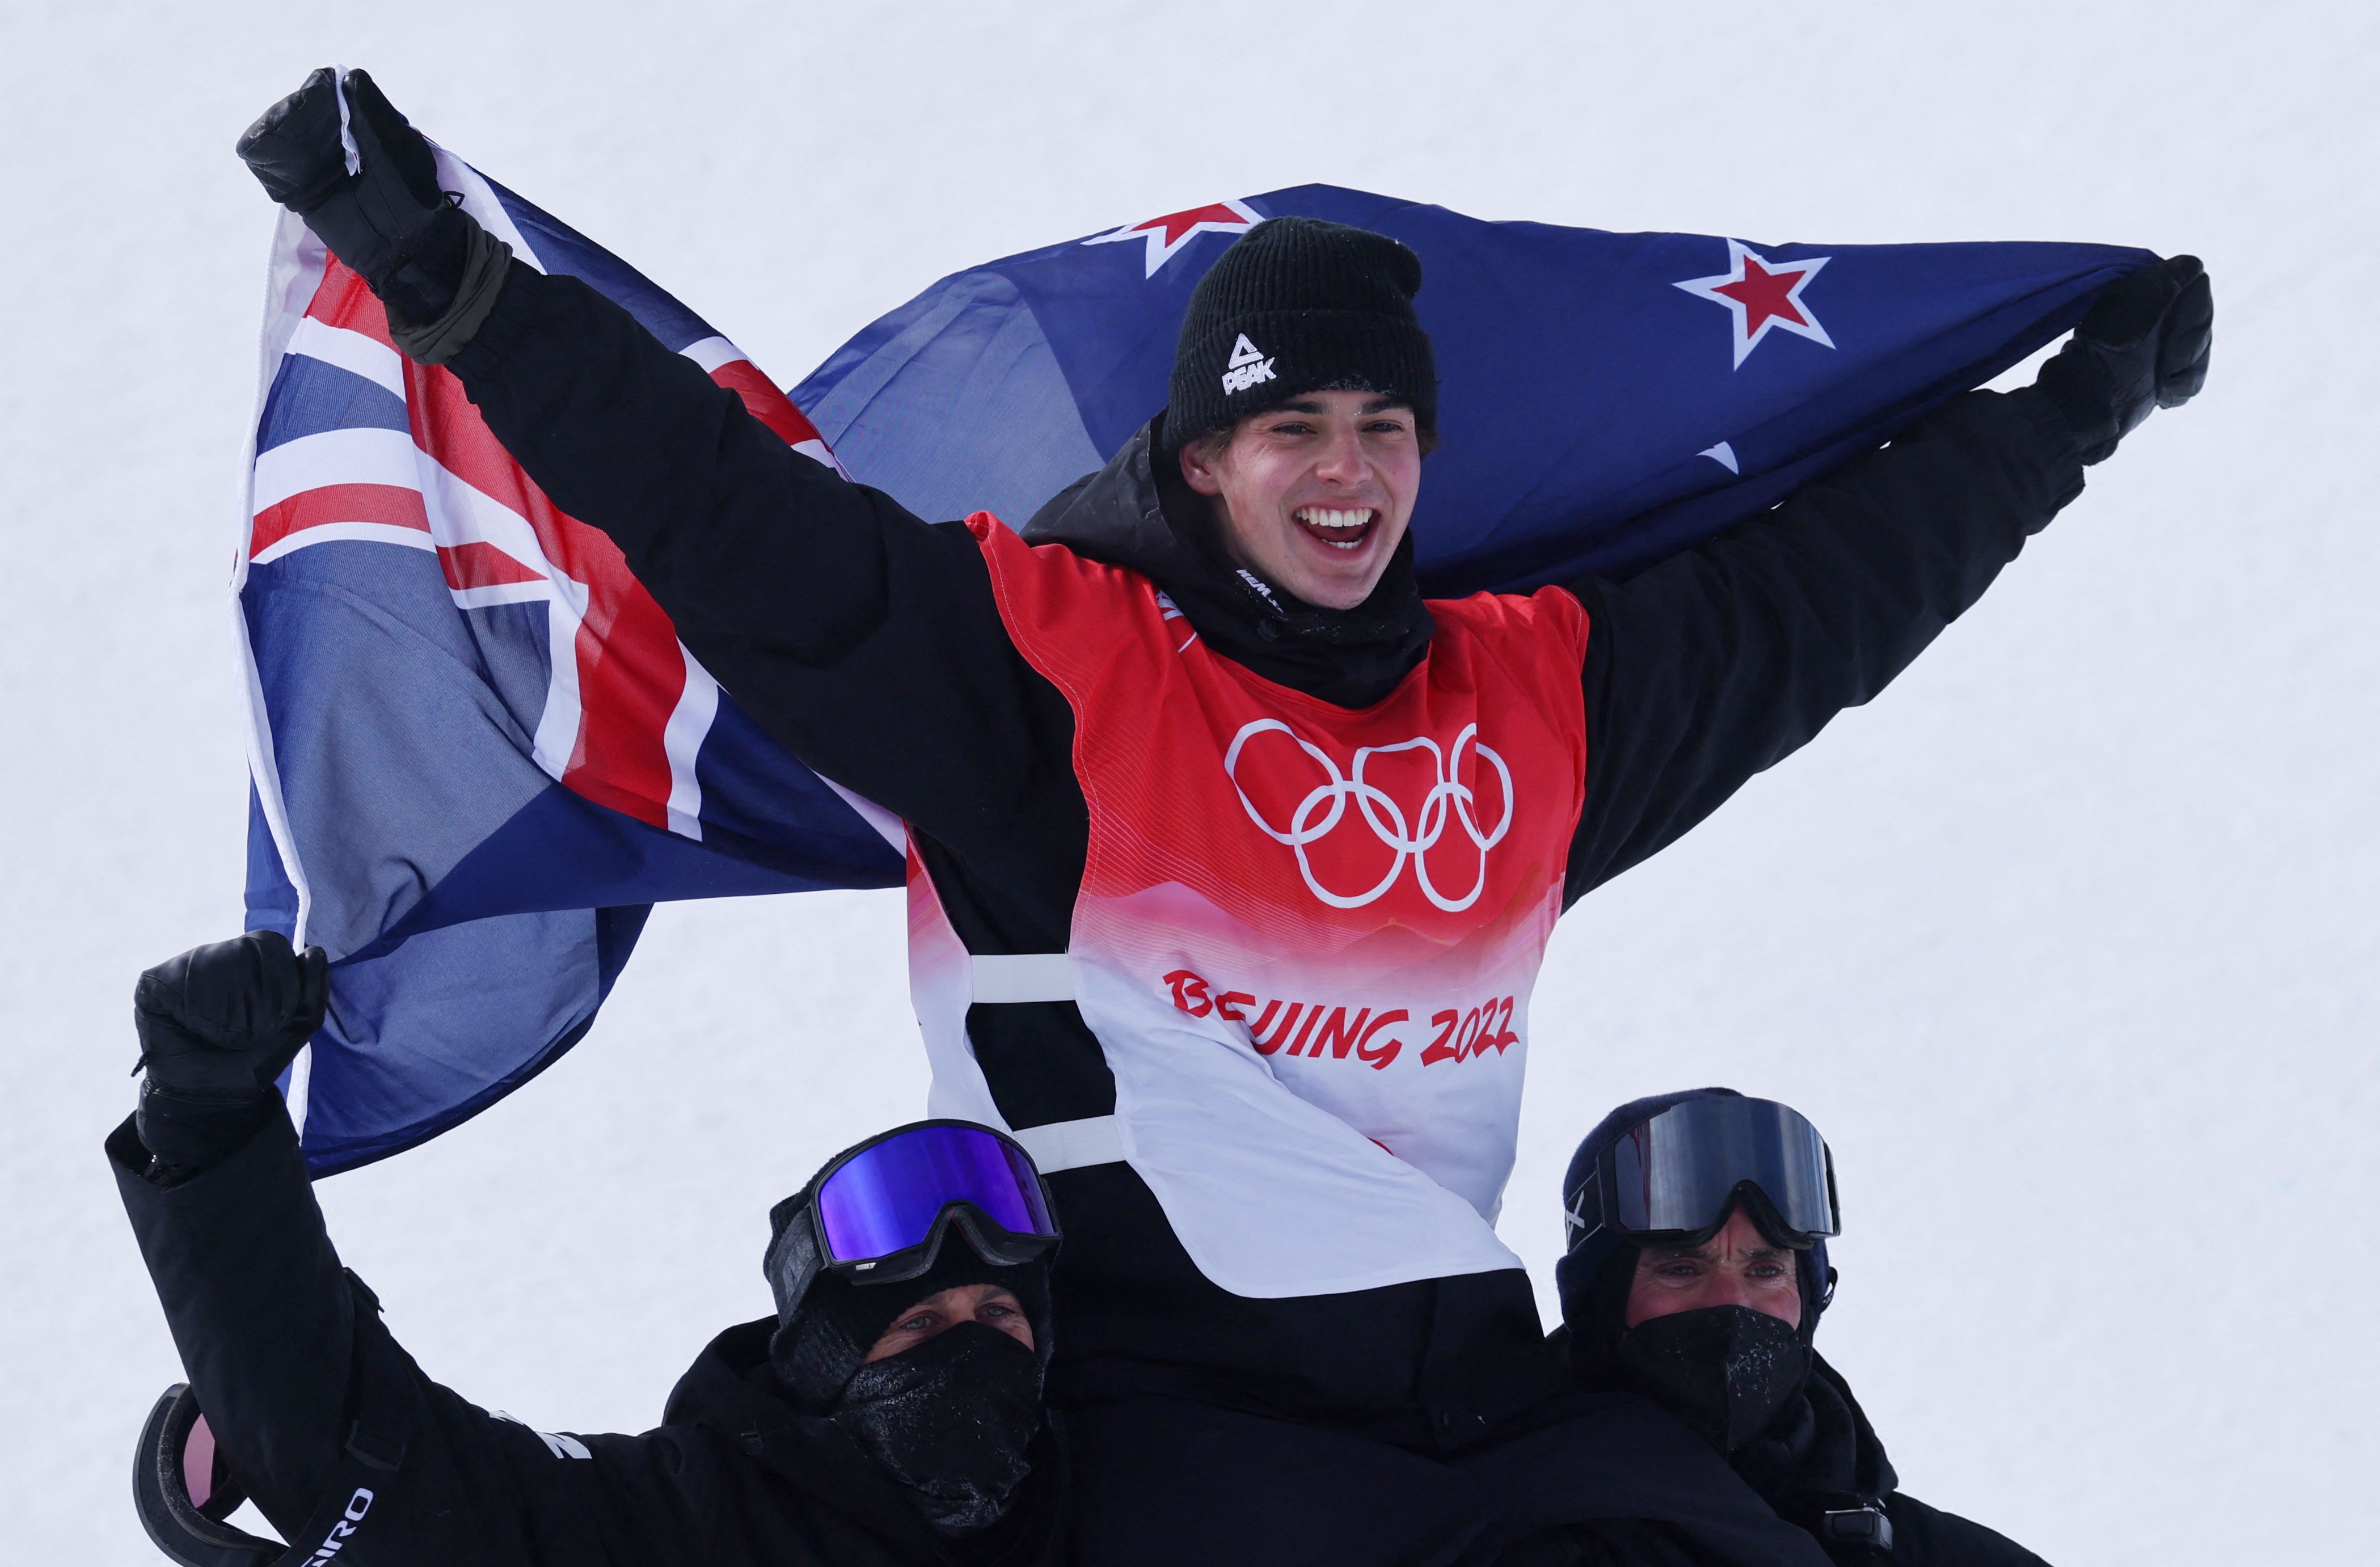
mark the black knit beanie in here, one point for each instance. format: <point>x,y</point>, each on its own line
<point>1297,305</point>
<point>826,1324</point>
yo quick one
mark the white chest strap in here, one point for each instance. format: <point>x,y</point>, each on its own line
<point>1009,978</point>
<point>1022,976</point>
<point>1073,1145</point>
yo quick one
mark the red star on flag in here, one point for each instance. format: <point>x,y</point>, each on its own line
<point>1170,233</point>
<point>1761,294</point>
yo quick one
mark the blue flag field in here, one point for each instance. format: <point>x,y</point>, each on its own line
<point>481,755</point>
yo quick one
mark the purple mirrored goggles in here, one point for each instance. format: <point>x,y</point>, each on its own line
<point>881,1210</point>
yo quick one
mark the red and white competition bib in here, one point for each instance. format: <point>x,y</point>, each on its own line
<point>1306,937</point>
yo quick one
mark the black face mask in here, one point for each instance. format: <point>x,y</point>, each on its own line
<point>950,1421</point>
<point>1728,1370</point>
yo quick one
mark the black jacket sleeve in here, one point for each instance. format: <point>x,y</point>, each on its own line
<point>1927,1537</point>
<point>1723,660</point>
<point>287,1357</point>
<point>867,641</point>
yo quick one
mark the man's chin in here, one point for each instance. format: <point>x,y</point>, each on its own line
<point>1338,581</point>
<point>1331,591</point>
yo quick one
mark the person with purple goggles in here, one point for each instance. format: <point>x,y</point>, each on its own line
<point>889,1411</point>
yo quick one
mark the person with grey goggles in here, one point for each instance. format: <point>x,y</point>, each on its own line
<point>1695,1275</point>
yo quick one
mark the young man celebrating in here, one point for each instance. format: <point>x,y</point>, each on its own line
<point>1233,859</point>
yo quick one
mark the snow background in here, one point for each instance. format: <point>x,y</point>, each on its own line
<point>2068,942</point>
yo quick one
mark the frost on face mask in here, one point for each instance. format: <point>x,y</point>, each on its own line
<point>1727,1370</point>
<point>950,1421</point>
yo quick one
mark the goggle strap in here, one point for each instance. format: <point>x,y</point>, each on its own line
<point>997,1247</point>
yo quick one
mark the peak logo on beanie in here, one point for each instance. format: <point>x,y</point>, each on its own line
<point>1332,307</point>
<point>1248,367</point>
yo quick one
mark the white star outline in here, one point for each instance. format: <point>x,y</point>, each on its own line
<point>1707,288</point>
<point>1153,231</point>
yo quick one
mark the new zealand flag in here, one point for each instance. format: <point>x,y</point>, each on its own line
<point>480,754</point>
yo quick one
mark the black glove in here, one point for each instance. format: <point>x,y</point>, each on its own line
<point>2143,345</point>
<point>217,1026</point>
<point>390,223</point>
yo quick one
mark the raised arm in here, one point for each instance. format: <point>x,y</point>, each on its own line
<point>865,640</point>
<point>1723,660</point>
<point>307,1393</point>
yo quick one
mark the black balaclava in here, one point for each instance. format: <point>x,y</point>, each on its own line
<point>1729,1371</point>
<point>950,1419</point>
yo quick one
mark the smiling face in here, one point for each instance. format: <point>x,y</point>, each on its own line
<point>1314,496</point>
<point>987,1304</point>
<point>1736,1267</point>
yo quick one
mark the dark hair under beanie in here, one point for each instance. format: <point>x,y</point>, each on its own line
<point>1297,305</point>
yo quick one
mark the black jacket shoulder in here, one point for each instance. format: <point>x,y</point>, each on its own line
<point>1843,1453</point>
<point>310,1397</point>
<point>1927,1537</point>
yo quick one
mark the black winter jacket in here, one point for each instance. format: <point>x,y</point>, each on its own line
<point>1820,1456</point>
<point>1825,1456</point>
<point>326,1419</point>
<point>868,643</point>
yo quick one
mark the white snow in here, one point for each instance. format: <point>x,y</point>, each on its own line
<point>2068,942</point>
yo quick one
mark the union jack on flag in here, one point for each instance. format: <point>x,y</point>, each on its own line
<point>479,752</point>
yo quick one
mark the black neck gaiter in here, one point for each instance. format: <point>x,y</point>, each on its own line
<point>1349,658</point>
<point>1727,1371</point>
<point>1138,513</point>
<point>949,1421</point>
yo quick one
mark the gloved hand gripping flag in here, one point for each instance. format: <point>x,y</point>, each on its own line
<point>479,753</point>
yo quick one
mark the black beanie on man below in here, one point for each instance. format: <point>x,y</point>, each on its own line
<point>1297,305</point>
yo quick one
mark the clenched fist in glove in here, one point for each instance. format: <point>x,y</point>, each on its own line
<point>435,268</point>
<point>217,1026</point>
<point>2144,345</point>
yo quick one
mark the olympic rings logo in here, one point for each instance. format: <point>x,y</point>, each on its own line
<point>1450,802</point>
